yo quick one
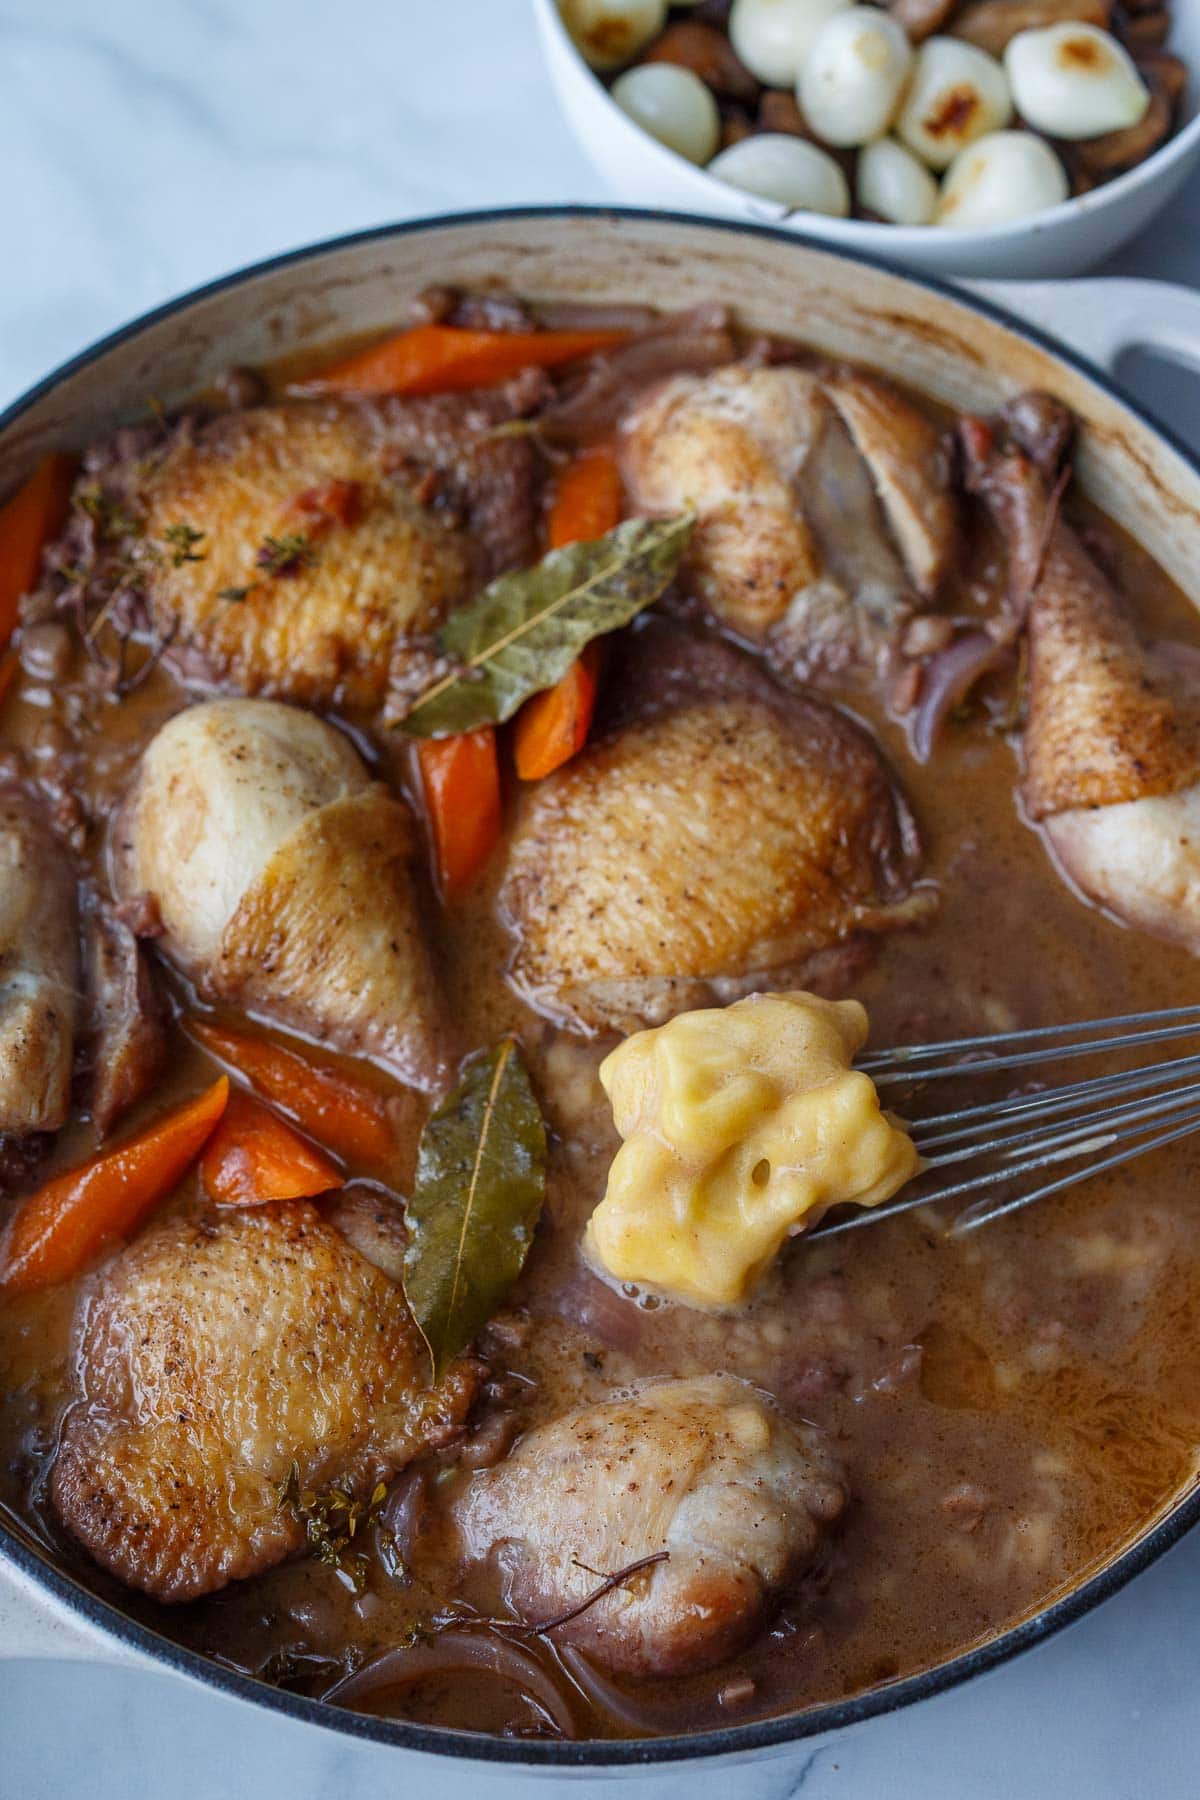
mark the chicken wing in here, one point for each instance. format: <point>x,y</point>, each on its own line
<point>705,1470</point>
<point>306,549</point>
<point>39,974</point>
<point>213,1354</point>
<point>1112,741</point>
<point>824,502</point>
<point>282,875</point>
<point>718,828</point>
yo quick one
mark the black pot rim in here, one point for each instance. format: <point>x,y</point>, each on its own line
<point>733,1740</point>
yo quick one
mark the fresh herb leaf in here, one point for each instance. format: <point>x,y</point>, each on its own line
<point>111,518</point>
<point>481,1180</point>
<point>286,554</point>
<point>524,631</point>
<point>182,540</point>
<point>237,594</point>
<point>331,1522</point>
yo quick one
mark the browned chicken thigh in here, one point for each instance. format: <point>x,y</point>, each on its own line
<point>705,1470</point>
<point>213,1354</point>
<point>1112,742</point>
<point>721,828</point>
<point>306,549</point>
<point>283,876</point>
<point>39,974</point>
<point>824,502</point>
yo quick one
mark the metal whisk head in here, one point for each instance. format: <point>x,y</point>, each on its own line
<point>1002,1149</point>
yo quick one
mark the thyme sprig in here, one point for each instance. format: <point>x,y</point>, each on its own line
<point>286,554</point>
<point>614,1579</point>
<point>112,520</point>
<point>182,540</point>
<point>332,1520</point>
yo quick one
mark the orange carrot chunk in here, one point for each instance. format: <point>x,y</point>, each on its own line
<point>254,1156</point>
<point>349,1119</point>
<point>443,359</point>
<point>553,725</point>
<point>587,499</point>
<point>58,1230</point>
<point>27,522</point>
<point>461,778</point>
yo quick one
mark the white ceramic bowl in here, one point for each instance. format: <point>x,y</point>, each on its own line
<point>1062,241</point>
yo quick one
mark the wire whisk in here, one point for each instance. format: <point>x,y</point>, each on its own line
<point>1000,1145</point>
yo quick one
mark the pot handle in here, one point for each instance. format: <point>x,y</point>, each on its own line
<point>36,1626</point>
<point>1104,317</point>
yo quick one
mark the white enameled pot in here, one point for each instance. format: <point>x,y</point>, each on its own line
<point>966,348</point>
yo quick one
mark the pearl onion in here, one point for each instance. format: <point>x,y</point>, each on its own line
<point>957,93</point>
<point>895,186</point>
<point>1074,81</point>
<point>608,33</point>
<point>772,37</point>
<point>1004,176</point>
<point>787,169</point>
<point>673,105</point>
<point>854,75</point>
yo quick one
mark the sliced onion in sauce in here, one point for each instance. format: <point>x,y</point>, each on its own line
<point>637,1707</point>
<point>404,1510</point>
<point>483,1654</point>
<point>597,1309</point>
<point>948,678</point>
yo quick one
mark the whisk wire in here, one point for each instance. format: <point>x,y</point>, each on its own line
<point>1001,1051</point>
<point>1097,1124</point>
<point>986,1123</point>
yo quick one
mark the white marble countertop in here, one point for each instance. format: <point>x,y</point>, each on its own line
<point>148,145</point>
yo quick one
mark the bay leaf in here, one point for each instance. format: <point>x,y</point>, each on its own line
<point>526,629</point>
<point>481,1180</point>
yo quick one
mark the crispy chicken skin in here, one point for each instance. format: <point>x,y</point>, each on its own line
<point>706,1470</point>
<point>1112,741</point>
<point>212,1354</point>
<point>824,502</point>
<point>1109,718</point>
<point>323,538</point>
<point>39,974</point>
<point>719,828</point>
<point>283,877</point>
<point>733,445</point>
<point>332,622</point>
